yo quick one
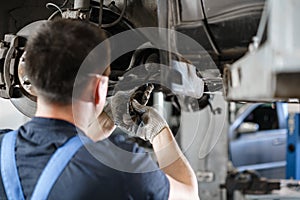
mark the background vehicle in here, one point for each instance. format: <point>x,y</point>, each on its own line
<point>257,139</point>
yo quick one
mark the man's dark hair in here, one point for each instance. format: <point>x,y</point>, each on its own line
<point>54,56</point>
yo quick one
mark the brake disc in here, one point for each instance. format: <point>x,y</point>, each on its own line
<point>18,88</point>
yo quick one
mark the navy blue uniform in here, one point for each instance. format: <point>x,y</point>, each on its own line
<point>97,171</point>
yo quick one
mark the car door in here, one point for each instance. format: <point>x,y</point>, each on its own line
<point>263,150</point>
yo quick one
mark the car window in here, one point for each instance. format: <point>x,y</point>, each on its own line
<point>265,116</point>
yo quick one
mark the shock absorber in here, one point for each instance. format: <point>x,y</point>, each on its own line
<point>81,4</point>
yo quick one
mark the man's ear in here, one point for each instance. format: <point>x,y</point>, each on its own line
<point>97,93</point>
<point>101,89</point>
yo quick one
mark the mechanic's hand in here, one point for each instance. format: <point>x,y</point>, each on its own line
<point>118,109</point>
<point>152,123</point>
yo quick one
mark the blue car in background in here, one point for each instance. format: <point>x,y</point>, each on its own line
<point>258,138</point>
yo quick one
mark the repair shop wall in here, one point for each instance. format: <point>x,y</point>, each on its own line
<point>10,117</point>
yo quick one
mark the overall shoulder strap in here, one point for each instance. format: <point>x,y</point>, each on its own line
<point>9,172</point>
<point>54,168</point>
<point>50,174</point>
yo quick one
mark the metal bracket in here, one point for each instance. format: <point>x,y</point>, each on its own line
<point>205,176</point>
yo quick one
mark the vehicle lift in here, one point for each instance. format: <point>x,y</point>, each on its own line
<point>293,147</point>
<point>274,65</point>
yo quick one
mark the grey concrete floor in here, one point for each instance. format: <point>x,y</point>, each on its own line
<point>10,117</point>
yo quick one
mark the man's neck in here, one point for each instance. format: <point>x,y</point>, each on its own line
<point>63,112</point>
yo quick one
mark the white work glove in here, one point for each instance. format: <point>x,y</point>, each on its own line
<point>117,108</point>
<point>152,123</point>
<point>134,118</point>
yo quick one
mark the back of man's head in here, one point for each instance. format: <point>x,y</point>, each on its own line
<point>54,56</point>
